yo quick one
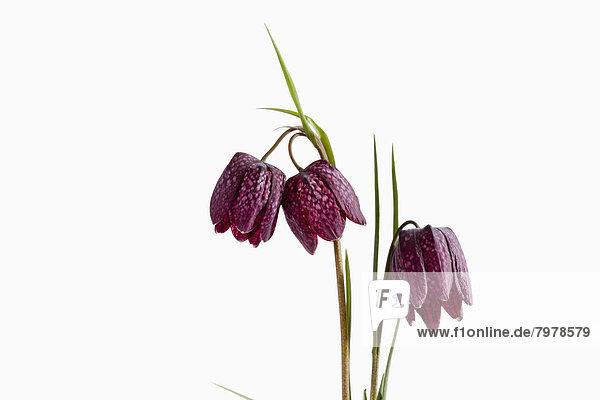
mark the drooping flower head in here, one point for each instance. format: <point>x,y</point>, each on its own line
<point>247,198</point>
<point>433,263</point>
<point>317,201</point>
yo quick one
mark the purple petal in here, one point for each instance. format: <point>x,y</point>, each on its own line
<point>223,225</point>
<point>295,216</point>
<point>341,189</point>
<point>431,311</point>
<point>410,317</point>
<point>269,219</point>
<point>254,237</point>
<point>240,236</point>
<point>437,261</point>
<point>251,198</point>
<point>228,184</point>
<point>409,264</point>
<point>454,304</point>
<point>459,266</point>
<point>319,206</point>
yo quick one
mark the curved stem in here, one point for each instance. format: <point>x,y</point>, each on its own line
<point>290,150</point>
<point>395,239</point>
<point>283,135</point>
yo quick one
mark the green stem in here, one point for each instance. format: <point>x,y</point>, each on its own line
<point>345,345</point>
<point>375,363</point>
<point>321,143</point>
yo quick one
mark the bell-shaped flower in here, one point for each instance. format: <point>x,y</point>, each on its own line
<point>317,201</point>
<point>247,198</point>
<point>433,263</point>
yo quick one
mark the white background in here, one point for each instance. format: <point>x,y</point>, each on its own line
<point>117,118</point>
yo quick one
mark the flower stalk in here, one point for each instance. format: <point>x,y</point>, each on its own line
<point>341,289</point>
<point>294,136</point>
<point>321,142</point>
<point>278,141</point>
<point>345,343</point>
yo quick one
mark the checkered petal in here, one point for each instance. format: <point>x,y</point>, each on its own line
<point>228,185</point>
<point>408,264</point>
<point>319,206</point>
<point>224,225</point>
<point>341,188</point>
<point>437,261</point>
<point>410,317</point>
<point>295,217</point>
<point>459,266</point>
<point>454,304</point>
<point>251,198</point>
<point>431,312</point>
<point>271,210</point>
<point>240,236</point>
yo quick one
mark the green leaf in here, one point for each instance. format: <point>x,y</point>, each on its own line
<point>376,238</point>
<point>324,140</point>
<point>377,334</point>
<point>292,89</point>
<point>384,380</point>
<point>395,192</point>
<point>281,110</point>
<point>365,395</point>
<point>380,393</point>
<point>348,297</point>
<point>322,135</point>
<point>348,306</point>
<point>232,391</point>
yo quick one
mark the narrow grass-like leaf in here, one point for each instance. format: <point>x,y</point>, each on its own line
<point>232,391</point>
<point>380,393</point>
<point>376,238</point>
<point>324,140</point>
<point>377,334</point>
<point>292,88</point>
<point>395,192</point>
<point>365,395</point>
<point>384,379</point>
<point>322,135</point>
<point>281,110</point>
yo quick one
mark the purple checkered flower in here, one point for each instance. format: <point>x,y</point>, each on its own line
<point>433,263</point>
<point>247,198</point>
<point>317,201</point>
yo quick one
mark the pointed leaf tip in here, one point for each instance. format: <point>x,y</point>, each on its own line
<point>394,191</point>
<point>291,88</point>
<point>232,391</point>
